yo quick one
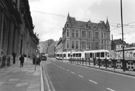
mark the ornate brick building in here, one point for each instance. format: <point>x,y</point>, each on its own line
<point>80,35</point>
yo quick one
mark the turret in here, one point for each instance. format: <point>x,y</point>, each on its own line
<point>107,24</point>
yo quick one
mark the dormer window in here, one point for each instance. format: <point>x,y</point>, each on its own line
<point>67,25</point>
<point>102,28</point>
<point>89,27</point>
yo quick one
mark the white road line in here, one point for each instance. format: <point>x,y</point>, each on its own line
<point>72,72</point>
<point>63,68</point>
<point>80,76</point>
<point>67,70</point>
<point>93,81</point>
<point>105,71</point>
<point>110,89</point>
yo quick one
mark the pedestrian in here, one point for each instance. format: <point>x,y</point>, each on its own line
<point>21,61</point>
<point>39,60</point>
<point>99,62</point>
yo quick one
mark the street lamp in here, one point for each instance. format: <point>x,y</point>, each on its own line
<point>123,61</point>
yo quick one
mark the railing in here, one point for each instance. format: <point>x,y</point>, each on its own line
<point>113,63</point>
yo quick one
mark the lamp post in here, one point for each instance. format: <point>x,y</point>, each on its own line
<point>123,61</point>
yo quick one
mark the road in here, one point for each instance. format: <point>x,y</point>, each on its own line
<point>69,77</point>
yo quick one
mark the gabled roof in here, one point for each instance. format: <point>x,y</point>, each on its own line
<point>81,24</point>
<point>73,22</point>
<point>118,41</point>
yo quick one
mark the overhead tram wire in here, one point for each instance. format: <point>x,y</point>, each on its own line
<point>48,13</point>
<point>128,24</point>
<point>58,15</point>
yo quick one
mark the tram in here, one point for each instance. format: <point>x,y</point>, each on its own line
<point>102,54</point>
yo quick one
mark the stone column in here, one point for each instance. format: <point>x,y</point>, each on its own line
<point>1,30</point>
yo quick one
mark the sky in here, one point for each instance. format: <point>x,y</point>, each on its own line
<point>49,16</point>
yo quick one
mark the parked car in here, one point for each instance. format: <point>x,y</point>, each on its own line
<point>44,58</point>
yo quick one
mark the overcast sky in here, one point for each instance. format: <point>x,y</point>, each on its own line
<point>49,16</point>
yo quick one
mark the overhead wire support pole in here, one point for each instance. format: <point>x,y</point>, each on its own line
<point>123,60</point>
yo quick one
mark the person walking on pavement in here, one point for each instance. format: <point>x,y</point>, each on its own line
<point>21,61</point>
<point>39,60</point>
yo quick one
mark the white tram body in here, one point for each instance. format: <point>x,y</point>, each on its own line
<point>59,55</point>
<point>66,55</point>
<point>77,55</point>
<point>102,54</point>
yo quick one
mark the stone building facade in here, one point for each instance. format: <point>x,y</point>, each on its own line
<point>80,35</point>
<point>16,30</point>
<point>59,46</point>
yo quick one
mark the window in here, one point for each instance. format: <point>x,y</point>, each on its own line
<point>102,41</point>
<point>73,55</point>
<point>76,44</point>
<point>67,25</point>
<point>83,34</point>
<point>77,34</point>
<point>98,54</point>
<point>90,34</point>
<point>89,45</point>
<point>67,44</point>
<point>102,54</point>
<point>73,33</point>
<point>102,28</point>
<point>96,45</point>
<point>79,54</point>
<point>102,35</point>
<point>96,35</point>
<point>83,45</point>
<point>67,32</point>
<point>105,35</point>
<point>68,55</point>
<point>106,42</point>
<point>91,55</point>
<point>73,45</point>
<point>64,55</point>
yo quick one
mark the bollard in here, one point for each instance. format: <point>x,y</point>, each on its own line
<point>94,61</point>
<point>89,61</point>
<point>99,60</point>
<point>105,63</point>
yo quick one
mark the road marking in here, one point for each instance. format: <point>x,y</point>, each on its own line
<point>80,76</point>
<point>72,72</point>
<point>67,70</point>
<point>93,81</point>
<point>42,82</point>
<point>63,68</point>
<point>50,85</point>
<point>110,89</point>
<point>120,74</point>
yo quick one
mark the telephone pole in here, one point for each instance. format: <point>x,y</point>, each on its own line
<point>123,60</point>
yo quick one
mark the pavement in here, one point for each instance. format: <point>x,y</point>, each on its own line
<point>25,78</point>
